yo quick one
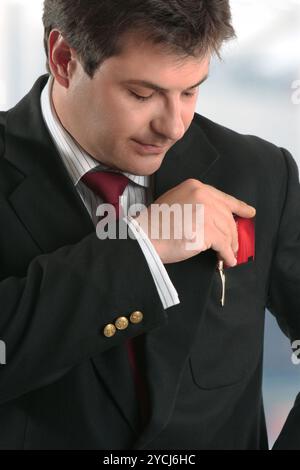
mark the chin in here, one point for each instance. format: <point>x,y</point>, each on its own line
<point>138,165</point>
<point>146,166</point>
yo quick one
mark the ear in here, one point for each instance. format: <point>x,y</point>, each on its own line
<point>62,58</point>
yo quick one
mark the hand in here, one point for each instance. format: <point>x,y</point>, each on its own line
<point>219,231</point>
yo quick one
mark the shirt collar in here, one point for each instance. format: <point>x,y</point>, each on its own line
<point>77,161</point>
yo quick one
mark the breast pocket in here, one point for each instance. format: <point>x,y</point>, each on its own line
<point>229,341</point>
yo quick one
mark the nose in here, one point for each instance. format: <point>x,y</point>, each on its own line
<point>169,122</point>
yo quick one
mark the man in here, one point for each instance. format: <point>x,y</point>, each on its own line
<point>120,101</point>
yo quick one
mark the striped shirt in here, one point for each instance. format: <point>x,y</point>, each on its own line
<point>139,191</point>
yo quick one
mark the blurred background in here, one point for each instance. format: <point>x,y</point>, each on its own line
<point>250,91</point>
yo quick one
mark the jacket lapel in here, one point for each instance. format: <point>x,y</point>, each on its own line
<point>45,201</point>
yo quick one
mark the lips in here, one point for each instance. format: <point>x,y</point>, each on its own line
<point>149,144</point>
<point>148,149</point>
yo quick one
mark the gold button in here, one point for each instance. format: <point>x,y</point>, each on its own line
<point>121,323</point>
<point>109,330</point>
<point>136,317</point>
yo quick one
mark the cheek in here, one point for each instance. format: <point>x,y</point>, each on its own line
<point>117,116</point>
<point>130,123</point>
<point>118,131</point>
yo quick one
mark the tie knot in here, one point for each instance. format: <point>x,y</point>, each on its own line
<point>108,185</point>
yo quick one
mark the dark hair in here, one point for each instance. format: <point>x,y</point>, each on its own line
<point>94,28</point>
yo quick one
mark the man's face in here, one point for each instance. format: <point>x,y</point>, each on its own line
<point>125,123</point>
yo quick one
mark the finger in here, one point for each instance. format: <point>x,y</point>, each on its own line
<point>236,206</point>
<point>240,208</point>
<point>227,226</point>
<point>224,251</point>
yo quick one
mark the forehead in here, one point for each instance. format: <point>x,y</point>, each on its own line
<point>140,59</point>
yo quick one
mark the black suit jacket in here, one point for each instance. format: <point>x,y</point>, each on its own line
<point>66,386</point>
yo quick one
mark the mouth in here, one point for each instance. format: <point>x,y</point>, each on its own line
<point>149,149</point>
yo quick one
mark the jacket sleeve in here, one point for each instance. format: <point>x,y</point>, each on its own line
<point>54,318</point>
<point>284,287</point>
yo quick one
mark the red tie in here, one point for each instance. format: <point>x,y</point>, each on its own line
<point>110,186</point>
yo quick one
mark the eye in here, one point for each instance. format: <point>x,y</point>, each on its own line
<point>139,97</point>
<point>146,98</point>
<point>189,95</point>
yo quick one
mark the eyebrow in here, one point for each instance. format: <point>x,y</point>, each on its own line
<point>155,87</point>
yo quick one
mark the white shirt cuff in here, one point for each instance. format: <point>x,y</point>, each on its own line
<point>166,290</point>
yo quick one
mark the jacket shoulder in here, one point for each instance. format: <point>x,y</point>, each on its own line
<point>242,146</point>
